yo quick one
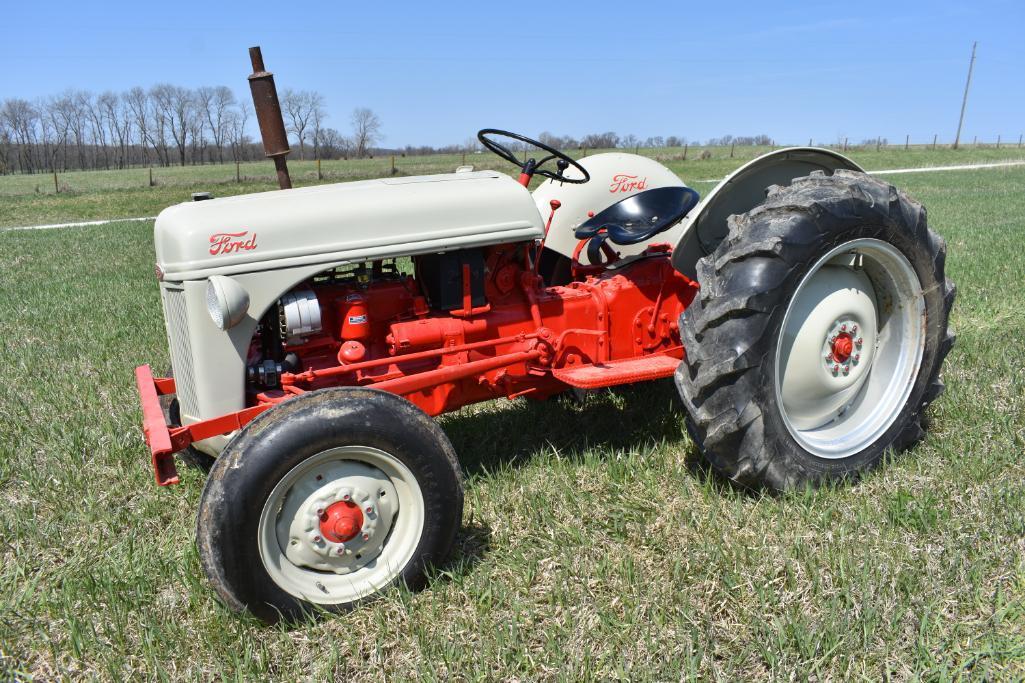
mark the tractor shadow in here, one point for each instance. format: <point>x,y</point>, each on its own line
<point>494,436</point>
<point>503,434</point>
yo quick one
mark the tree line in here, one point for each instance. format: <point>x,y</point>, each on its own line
<point>169,125</point>
<point>163,125</point>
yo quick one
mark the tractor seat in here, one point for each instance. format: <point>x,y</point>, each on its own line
<point>640,216</point>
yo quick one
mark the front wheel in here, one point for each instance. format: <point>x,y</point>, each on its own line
<point>817,340</point>
<point>327,500</point>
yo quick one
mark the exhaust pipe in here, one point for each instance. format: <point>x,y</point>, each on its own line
<point>268,114</point>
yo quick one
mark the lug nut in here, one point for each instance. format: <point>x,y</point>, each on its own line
<point>320,512</point>
<point>836,369</point>
<point>829,358</point>
<point>857,357</point>
<point>858,342</point>
<point>346,497</point>
<point>854,329</point>
<point>843,328</point>
<point>341,550</point>
<point>366,537</point>
<point>369,509</point>
<point>317,539</point>
<point>846,369</point>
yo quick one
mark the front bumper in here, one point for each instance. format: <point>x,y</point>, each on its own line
<point>154,427</point>
<point>163,439</point>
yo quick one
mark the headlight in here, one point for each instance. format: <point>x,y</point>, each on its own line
<point>227,301</point>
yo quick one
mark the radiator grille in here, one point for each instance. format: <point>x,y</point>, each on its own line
<point>177,321</point>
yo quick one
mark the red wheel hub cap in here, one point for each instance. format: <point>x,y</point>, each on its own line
<point>843,345</point>
<point>341,521</point>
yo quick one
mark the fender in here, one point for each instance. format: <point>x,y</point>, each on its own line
<point>705,226</point>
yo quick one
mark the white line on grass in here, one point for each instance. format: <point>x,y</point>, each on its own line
<point>81,224</point>
<point>961,167</point>
<point>923,169</point>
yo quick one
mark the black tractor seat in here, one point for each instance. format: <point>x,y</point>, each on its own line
<point>640,216</point>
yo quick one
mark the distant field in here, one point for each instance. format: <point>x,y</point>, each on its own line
<point>90,195</point>
<point>595,544</point>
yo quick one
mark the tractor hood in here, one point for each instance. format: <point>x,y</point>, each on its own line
<point>344,222</point>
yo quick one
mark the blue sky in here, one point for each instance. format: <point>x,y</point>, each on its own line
<point>435,72</point>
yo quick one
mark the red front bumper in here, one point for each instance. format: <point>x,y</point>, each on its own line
<point>154,428</point>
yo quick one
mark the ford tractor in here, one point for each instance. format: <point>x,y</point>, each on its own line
<point>801,307</point>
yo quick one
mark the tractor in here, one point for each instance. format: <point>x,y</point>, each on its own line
<point>801,308</point>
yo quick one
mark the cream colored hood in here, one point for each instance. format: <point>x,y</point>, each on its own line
<point>356,221</point>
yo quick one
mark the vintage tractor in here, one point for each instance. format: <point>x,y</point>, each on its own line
<point>802,307</point>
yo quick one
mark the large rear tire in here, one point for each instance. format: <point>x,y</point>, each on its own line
<point>327,500</point>
<point>818,336</point>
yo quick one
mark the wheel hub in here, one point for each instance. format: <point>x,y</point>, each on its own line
<point>842,347</point>
<point>338,518</point>
<point>341,521</point>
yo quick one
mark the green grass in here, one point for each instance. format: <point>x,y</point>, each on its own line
<point>594,543</point>
<point>93,195</point>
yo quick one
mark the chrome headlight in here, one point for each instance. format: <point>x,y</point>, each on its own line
<point>227,301</point>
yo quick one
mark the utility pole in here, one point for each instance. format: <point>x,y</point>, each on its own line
<point>964,102</point>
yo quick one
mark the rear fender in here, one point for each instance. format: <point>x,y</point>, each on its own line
<point>705,226</point>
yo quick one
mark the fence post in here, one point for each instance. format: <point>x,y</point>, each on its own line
<point>151,176</point>
<point>809,142</point>
<point>585,153</point>
<point>685,145</point>
<point>393,164</point>
<point>998,142</point>
<point>1019,140</point>
<point>975,141</point>
<point>238,172</point>
<point>907,140</point>
<point>56,188</point>
<point>732,145</point>
<point>845,144</point>
<point>464,159</point>
<point>934,140</point>
<point>878,142</point>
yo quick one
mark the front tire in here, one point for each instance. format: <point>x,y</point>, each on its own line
<point>818,336</point>
<point>327,500</point>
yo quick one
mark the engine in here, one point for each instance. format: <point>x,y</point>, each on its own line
<point>384,320</point>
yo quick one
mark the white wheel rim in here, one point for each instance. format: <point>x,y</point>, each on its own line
<point>325,568</point>
<point>835,405</point>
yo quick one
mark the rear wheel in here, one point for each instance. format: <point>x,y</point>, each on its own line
<point>327,500</point>
<point>817,339</point>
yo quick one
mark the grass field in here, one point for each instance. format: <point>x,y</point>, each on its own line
<point>594,544</point>
<point>91,195</point>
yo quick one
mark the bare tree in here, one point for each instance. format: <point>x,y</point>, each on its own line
<point>138,103</point>
<point>176,111</point>
<point>235,121</point>
<point>333,144</point>
<point>21,118</point>
<point>215,104</point>
<point>302,107</point>
<point>366,130</point>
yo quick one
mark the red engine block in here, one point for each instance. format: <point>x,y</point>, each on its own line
<point>528,340</point>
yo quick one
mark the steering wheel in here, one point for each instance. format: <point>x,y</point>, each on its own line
<point>530,166</point>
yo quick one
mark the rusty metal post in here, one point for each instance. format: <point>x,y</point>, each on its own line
<point>268,114</point>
